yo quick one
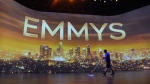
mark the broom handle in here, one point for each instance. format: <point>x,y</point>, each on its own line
<point>95,67</point>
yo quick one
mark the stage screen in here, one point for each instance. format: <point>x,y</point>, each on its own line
<point>49,42</point>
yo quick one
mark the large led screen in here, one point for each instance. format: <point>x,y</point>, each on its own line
<point>45,42</point>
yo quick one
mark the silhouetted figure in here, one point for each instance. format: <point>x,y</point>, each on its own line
<point>108,62</point>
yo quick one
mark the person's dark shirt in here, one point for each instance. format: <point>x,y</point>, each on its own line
<point>107,57</point>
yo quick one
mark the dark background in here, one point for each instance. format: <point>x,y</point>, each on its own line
<point>98,7</point>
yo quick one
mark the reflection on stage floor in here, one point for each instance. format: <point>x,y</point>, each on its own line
<point>133,77</point>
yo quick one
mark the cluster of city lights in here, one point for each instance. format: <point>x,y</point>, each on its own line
<point>27,65</point>
<point>61,61</point>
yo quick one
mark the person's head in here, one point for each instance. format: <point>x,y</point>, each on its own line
<point>105,51</point>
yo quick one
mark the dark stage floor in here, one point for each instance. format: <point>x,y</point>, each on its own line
<point>133,77</point>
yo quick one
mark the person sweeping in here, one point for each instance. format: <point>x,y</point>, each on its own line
<point>108,63</point>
